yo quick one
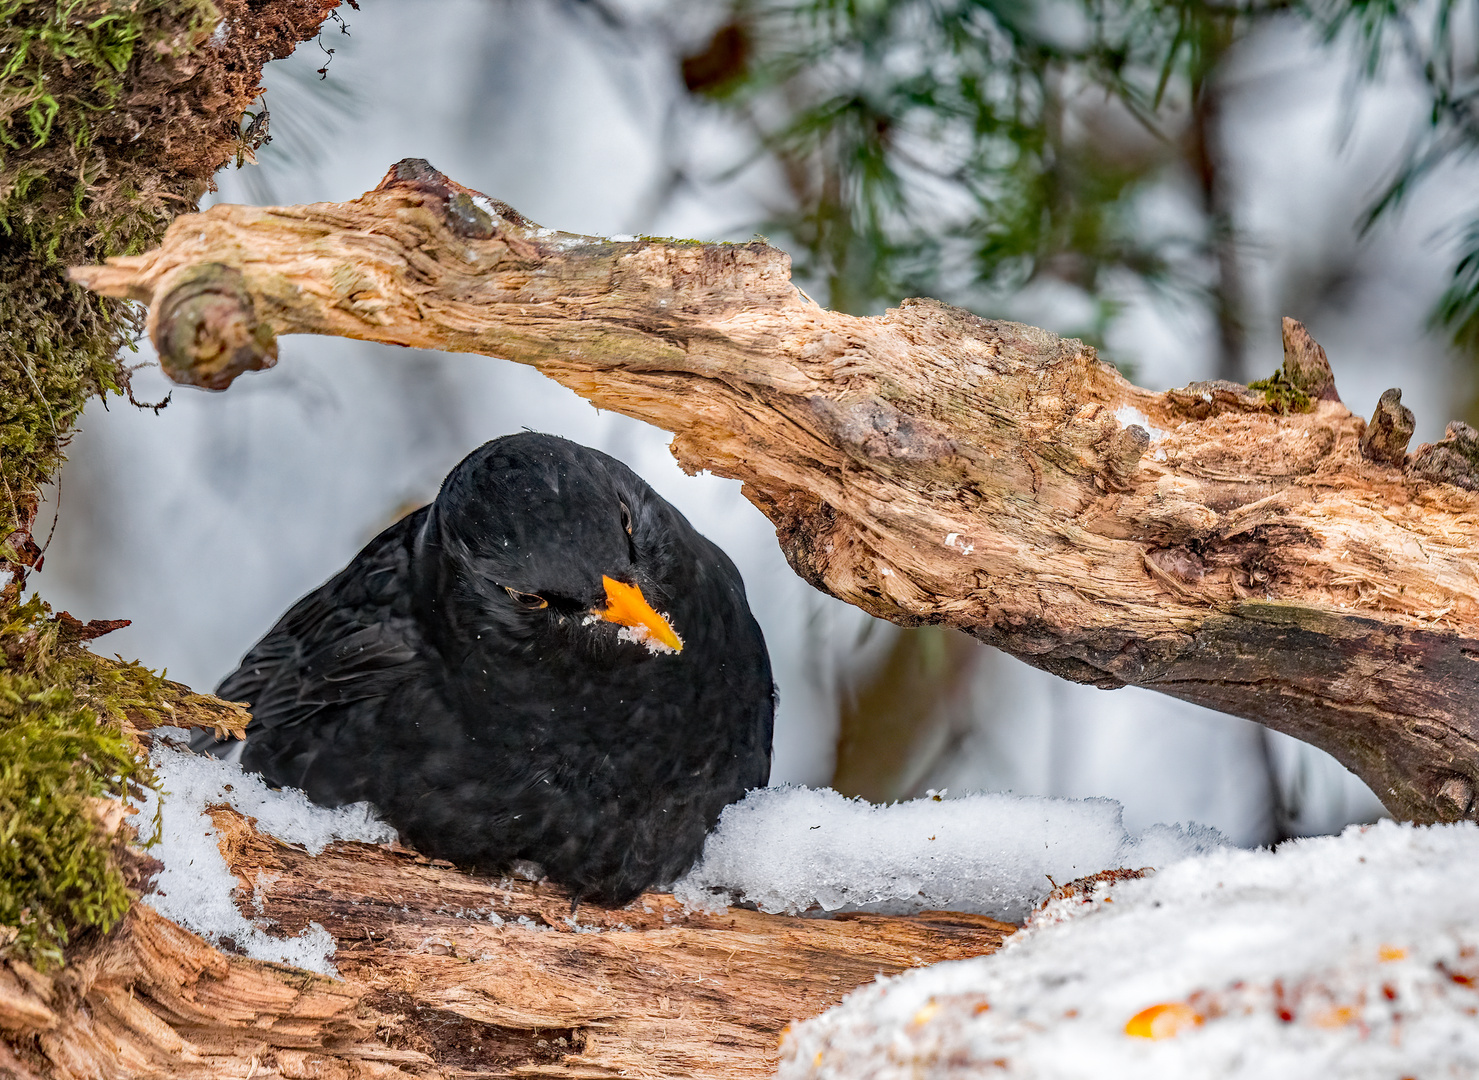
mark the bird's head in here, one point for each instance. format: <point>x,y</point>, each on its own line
<point>544,538</point>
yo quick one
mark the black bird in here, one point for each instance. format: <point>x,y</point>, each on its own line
<point>548,663</point>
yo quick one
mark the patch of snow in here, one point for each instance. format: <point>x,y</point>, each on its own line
<point>1129,416</point>
<point>485,204</point>
<point>793,849</point>
<point>1354,956</point>
<point>196,889</point>
<point>640,635</point>
<point>954,540</point>
<point>573,242</point>
<point>623,238</point>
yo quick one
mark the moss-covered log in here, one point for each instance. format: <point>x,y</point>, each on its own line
<point>1229,546</point>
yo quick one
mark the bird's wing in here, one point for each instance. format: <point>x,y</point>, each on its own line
<point>352,640</point>
<point>289,679</point>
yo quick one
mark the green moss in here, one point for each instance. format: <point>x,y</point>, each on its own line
<point>73,173</point>
<point>678,241</point>
<point>63,742</point>
<point>1281,394</point>
<point>98,42</point>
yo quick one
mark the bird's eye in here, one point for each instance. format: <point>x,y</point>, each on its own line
<point>626,519</point>
<point>527,599</point>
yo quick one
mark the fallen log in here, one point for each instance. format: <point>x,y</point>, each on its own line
<point>1258,550</point>
<point>447,974</point>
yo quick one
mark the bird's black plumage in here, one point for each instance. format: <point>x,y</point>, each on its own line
<point>425,677</point>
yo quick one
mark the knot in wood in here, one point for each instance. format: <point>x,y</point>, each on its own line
<point>207,331</point>
<point>417,173</point>
<point>1390,430</point>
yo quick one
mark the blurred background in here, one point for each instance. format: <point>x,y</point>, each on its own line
<point>1163,180</point>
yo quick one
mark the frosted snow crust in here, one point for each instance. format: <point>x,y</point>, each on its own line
<point>1354,956</point>
<point>196,889</point>
<point>794,849</point>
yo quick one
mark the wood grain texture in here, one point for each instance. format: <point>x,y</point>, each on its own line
<point>447,974</point>
<point>929,465</point>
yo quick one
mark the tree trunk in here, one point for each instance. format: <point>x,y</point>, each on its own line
<point>1261,551</point>
<point>450,975</point>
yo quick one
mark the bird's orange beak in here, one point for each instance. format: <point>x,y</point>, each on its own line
<point>625,606</point>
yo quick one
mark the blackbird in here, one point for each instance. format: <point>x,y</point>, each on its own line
<point>547,663</point>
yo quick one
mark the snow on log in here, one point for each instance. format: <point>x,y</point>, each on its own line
<point>1260,551</point>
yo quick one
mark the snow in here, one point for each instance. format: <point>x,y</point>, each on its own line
<point>1129,416</point>
<point>794,849</point>
<point>1354,956</point>
<point>954,540</point>
<point>791,849</point>
<point>196,889</point>
<point>640,635</point>
<point>485,204</point>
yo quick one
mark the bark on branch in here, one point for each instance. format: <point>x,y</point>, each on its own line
<point>1230,546</point>
<point>449,975</point>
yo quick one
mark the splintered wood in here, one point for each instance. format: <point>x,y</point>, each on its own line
<point>1230,546</point>
<point>450,975</point>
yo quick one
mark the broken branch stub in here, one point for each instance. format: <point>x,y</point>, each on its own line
<point>1228,545</point>
<point>1454,459</point>
<point>1389,431</point>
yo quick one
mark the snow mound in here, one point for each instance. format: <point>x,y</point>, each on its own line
<point>1354,956</point>
<point>196,889</point>
<point>794,849</point>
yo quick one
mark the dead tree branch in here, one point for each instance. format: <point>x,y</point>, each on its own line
<point>1228,546</point>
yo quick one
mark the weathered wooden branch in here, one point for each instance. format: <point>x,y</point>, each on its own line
<point>449,975</point>
<point>1227,546</point>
